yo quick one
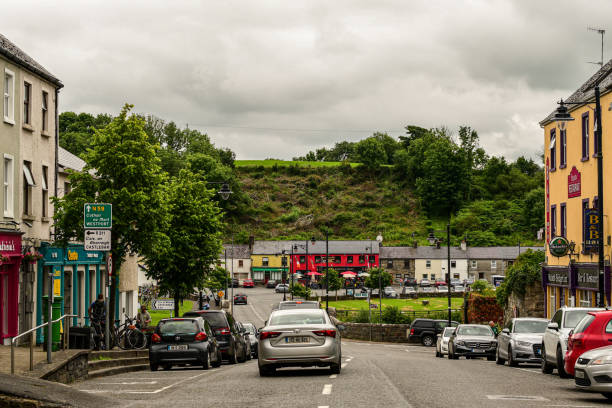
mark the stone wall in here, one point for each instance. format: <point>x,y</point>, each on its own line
<point>392,333</point>
<point>75,369</point>
<point>529,305</point>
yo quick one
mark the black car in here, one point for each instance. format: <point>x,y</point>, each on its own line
<point>240,298</point>
<point>252,332</point>
<point>230,340</point>
<point>184,341</point>
<point>427,330</point>
<point>235,283</point>
<point>271,284</point>
<point>247,342</point>
<point>472,340</point>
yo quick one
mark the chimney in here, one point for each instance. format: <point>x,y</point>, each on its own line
<point>415,244</point>
<point>463,245</point>
<point>251,242</point>
<point>438,244</point>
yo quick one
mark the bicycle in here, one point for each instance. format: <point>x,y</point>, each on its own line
<point>128,336</point>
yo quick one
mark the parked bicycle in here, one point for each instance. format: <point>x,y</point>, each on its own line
<point>126,335</point>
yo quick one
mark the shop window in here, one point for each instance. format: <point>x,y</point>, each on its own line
<point>265,261</point>
<point>561,297</point>
<point>428,264</point>
<point>553,300</point>
<point>553,150</point>
<point>586,298</point>
<point>585,136</point>
<point>389,264</point>
<point>349,260</point>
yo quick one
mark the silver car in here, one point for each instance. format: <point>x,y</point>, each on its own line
<point>521,341</point>
<point>442,343</point>
<point>299,338</point>
<point>593,371</point>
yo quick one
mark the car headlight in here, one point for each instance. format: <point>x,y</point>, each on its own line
<point>523,343</point>
<point>460,343</point>
<point>602,360</point>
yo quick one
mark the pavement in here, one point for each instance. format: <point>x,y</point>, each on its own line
<point>373,375</point>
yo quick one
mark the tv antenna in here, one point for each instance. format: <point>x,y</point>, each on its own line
<point>602,32</point>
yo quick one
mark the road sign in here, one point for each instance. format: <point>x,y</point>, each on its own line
<point>109,265</point>
<point>98,215</point>
<point>163,304</point>
<point>220,293</point>
<point>97,240</point>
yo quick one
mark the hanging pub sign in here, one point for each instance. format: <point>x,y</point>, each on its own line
<point>591,229</point>
<point>558,246</point>
<point>573,183</point>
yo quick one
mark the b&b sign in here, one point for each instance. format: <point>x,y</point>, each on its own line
<point>591,229</point>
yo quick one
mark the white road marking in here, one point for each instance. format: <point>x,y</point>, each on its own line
<point>343,365</point>
<point>333,376</point>
<point>129,383</point>
<point>534,371</point>
<point>323,406</point>
<point>147,392</point>
<point>256,313</point>
<point>517,397</point>
<point>327,389</point>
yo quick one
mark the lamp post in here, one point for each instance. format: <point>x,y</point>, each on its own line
<point>432,238</point>
<point>284,273</point>
<point>562,116</point>
<point>225,193</point>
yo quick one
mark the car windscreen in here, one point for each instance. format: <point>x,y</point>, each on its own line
<point>169,327</point>
<point>214,319</point>
<point>280,319</point>
<point>298,305</point>
<point>584,323</point>
<point>572,317</point>
<point>474,331</point>
<point>530,326</point>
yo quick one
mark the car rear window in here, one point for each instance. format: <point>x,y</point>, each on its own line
<point>584,323</point>
<point>424,323</point>
<point>530,326</point>
<point>572,317</point>
<point>280,319</point>
<point>214,319</point>
<point>178,327</point>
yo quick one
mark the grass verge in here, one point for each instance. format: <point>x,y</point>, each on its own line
<point>157,315</point>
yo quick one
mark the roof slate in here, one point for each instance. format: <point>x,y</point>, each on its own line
<point>335,247</point>
<point>68,160</point>
<point>236,251</point>
<point>427,252</point>
<point>18,56</point>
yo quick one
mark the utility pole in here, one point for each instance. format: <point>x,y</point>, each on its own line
<point>448,281</point>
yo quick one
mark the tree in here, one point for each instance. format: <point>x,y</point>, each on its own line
<point>523,272</point>
<point>216,279</point>
<point>194,238</point>
<point>299,290</point>
<point>414,133</point>
<point>371,153</point>
<point>334,281</point>
<point>122,169</point>
<point>372,280</point>
<point>76,130</point>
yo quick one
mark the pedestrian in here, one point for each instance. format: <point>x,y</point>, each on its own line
<point>97,314</point>
<point>144,318</point>
<point>494,327</point>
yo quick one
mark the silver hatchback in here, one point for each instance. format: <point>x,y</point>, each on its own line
<point>299,338</point>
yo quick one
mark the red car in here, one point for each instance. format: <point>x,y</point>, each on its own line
<point>248,283</point>
<point>593,331</point>
<point>440,282</point>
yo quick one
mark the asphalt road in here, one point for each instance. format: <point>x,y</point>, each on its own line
<point>373,375</point>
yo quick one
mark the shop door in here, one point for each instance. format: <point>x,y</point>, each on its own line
<point>266,276</point>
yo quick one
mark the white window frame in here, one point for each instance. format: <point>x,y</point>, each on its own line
<point>474,264</point>
<point>493,264</point>
<point>428,264</point>
<point>9,186</point>
<point>45,191</point>
<point>9,98</point>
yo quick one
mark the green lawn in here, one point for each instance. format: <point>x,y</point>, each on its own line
<point>436,303</point>
<point>157,315</point>
<point>286,163</point>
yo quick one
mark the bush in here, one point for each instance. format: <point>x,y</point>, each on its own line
<point>299,290</point>
<point>524,272</point>
<point>393,315</point>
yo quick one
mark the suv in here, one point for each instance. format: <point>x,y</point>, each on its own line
<point>231,341</point>
<point>554,342</point>
<point>427,330</point>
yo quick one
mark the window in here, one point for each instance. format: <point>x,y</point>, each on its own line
<point>553,150</point>
<point>45,111</point>
<point>45,192</point>
<point>453,264</point>
<point>337,259</point>
<point>302,259</point>
<point>349,259</point>
<point>406,264</point>
<point>389,263</point>
<point>455,276</point>
<point>428,264</point>
<point>361,259</point>
<point>27,99</point>
<point>563,220</point>
<point>474,264</point>
<point>510,263</point>
<point>8,185</point>
<point>480,275</point>
<point>67,188</point>
<point>265,261</point>
<point>553,221</point>
<point>28,183</point>
<point>586,298</point>
<point>608,326</point>
<point>372,259</point>
<point>240,263</point>
<point>318,259</point>
<point>424,276</point>
<point>493,264</point>
<point>562,149</point>
<point>585,136</point>
<point>432,277</point>
<point>9,96</point>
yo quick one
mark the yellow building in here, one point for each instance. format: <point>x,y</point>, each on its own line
<point>571,188</point>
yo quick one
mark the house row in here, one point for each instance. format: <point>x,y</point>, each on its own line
<point>273,260</point>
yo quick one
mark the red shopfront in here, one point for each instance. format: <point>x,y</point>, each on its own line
<point>10,252</point>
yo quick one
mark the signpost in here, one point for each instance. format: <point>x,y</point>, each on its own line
<point>573,183</point>
<point>163,304</point>
<point>97,240</point>
<point>97,216</point>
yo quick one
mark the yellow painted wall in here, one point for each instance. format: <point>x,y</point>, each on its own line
<point>274,261</point>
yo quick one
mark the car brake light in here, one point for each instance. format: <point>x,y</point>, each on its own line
<point>412,332</point>
<point>298,303</point>
<point>201,336</point>
<point>155,338</point>
<point>223,330</point>
<point>575,340</point>
<point>268,335</point>
<point>329,333</point>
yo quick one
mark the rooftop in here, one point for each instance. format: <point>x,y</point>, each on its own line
<point>67,160</point>
<point>19,57</point>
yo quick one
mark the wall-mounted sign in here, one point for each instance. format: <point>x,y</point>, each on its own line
<point>587,278</point>
<point>573,183</point>
<point>558,246</point>
<point>591,229</point>
<point>558,277</point>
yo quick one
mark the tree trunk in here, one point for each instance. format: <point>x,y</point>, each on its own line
<point>176,303</point>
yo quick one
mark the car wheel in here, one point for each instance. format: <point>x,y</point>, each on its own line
<point>218,362</point>
<point>335,368</point>
<point>266,371</point>
<point>546,367</point>
<point>498,359</point>
<point>560,365</point>
<point>438,353</point>
<point>490,358</point>
<point>206,363</point>
<point>153,366</point>
<point>511,361</point>
<point>427,340</point>
<point>167,367</point>
<point>233,359</point>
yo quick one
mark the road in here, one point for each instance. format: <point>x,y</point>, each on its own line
<point>373,375</point>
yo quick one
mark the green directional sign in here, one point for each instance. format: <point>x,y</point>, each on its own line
<point>98,216</point>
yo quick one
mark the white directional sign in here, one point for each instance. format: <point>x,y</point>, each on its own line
<point>162,304</point>
<point>97,240</point>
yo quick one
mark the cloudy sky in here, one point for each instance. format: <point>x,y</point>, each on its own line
<point>279,78</point>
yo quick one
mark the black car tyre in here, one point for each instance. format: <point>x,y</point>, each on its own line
<point>206,363</point>
<point>427,340</point>
<point>218,362</point>
<point>438,353</point>
<point>490,358</point>
<point>153,366</point>
<point>167,366</point>
<point>249,355</point>
<point>335,368</point>
<point>266,371</point>
<point>511,361</point>
<point>498,359</point>
<point>243,357</point>
<point>546,367</point>
<point>560,365</point>
<point>234,357</point>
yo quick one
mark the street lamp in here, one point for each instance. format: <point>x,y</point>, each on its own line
<point>562,116</point>
<point>225,193</point>
<point>448,266</point>
<point>284,272</point>
<point>295,247</point>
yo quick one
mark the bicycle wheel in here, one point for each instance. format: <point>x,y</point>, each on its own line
<point>137,339</point>
<point>123,340</point>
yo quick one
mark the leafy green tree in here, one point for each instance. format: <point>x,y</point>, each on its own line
<point>533,210</point>
<point>299,290</point>
<point>372,281</point>
<point>216,279</point>
<point>122,169</point>
<point>194,237</point>
<point>76,130</point>
<point>371,153</point>
<point>522,273</point>
<point>414,133</point>
<point>483,287</point>
<point>334,280</point>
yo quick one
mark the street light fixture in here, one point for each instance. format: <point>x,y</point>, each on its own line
<point>225,193</point>
<point>294,248</point>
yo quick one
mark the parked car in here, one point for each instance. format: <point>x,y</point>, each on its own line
<point>235,283</point>
<point>298,304</point>
<point>593,371</point>
<point>247,341</point>
<point>253,334</point>
<point>440,282</point>
<point>426,330</point>
<point>410,282</point>
<point>271,284</point>
<point>554,342</point>
<point>427,289</point>
<point>521,341</point>
<point>468,281</point>
<point>240,298</point>
<point>184,341</point>
<point>593,331</point>
<point>458,288</point>
<point>230,341</point>
<point>442,342</point>
<point>424,282</point>
<point>248,283</point>
<point>299,338</point>
<point>281,287</point>
<point>442,289</point>
<point>409,290</point>
<point>389,292</point>
<point>472,340</point>
<point>455,282</point>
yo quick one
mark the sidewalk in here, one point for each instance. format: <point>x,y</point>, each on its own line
<point>22,359</point>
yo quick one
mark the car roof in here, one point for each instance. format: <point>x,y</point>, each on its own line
<point>298,311</point>
<point>588,309</point>
<point>540,319</point>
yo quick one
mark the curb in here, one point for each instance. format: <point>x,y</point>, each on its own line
<point>116,370</point>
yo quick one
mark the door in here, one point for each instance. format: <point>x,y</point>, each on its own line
<point>551,338</point>
<point>503,340</point>
<point>4,302</point>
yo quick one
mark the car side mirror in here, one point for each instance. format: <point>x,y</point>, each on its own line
<point>506,331</point>
<point>553,326</point>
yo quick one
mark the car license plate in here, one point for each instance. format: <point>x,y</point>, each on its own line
<point>179,347</point>
<point>297,339</point>
<point>579,374</point>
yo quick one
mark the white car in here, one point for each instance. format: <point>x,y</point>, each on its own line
<point>458,288</point>
<point>554,342</point>
<point>593,370</point>
<point>281,287</point>
<point>442,289</point>
<point>442,343</point>
<point>427,289</point>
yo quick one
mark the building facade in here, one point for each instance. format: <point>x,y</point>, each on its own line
<point>238,261</point>
<point>487,262</point>
<point>571,190</point>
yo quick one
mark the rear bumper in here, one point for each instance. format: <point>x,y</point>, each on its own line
<point>323,355</point>
<point>159,354</point>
